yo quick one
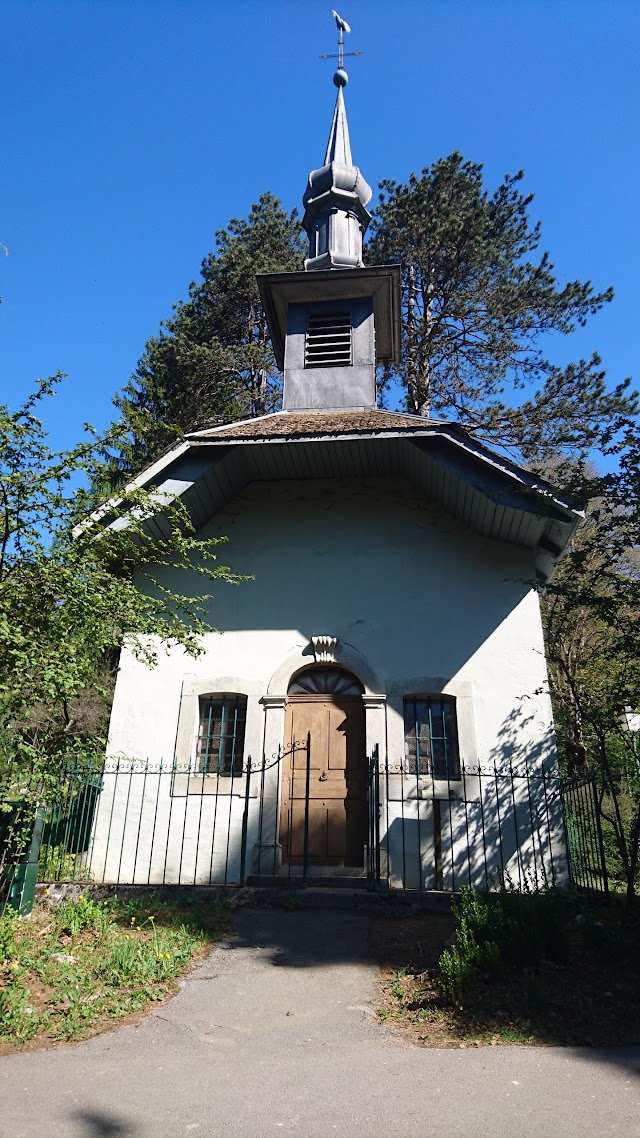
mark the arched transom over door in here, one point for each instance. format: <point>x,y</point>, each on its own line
<point>325,704</point>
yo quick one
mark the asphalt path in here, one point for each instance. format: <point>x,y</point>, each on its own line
<point>274,1034</point>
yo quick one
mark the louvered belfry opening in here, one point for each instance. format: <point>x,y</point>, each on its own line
<point>328,340</point>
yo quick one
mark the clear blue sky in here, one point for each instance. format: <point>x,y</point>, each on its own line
<point>133,130</point>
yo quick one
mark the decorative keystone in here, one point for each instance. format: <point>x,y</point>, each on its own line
<point>324,649</point>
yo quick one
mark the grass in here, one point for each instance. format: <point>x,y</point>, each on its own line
<point>583,989</point>
<point>70,972</point>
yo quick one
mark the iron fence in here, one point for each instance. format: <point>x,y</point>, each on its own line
<point>158,824</point>
<point>583,826</point>
<point>526,827</point>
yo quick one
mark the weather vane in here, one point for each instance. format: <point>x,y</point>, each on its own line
<point>340,78</point>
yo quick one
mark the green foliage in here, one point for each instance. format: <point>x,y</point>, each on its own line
<point>17,1020</point>
<point>212,360</point>
<point>8,926</point>
<point>507,929</point>
<point>70,595</point>
<point>68,972</point>
<point>592,630</point>
<point>476,310</point>
<point>73,917</point>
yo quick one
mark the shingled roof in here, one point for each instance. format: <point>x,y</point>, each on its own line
<point>304,424</point>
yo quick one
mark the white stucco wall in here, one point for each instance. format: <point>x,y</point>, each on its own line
<point>423,604</point>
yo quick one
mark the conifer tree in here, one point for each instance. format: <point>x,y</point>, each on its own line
<point>212,360</point>
<point>477,302</point>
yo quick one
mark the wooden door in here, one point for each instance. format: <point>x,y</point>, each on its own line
<point>337,781</point>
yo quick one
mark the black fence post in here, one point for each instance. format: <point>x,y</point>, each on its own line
<point>306,812</point>
<point>245,823</point>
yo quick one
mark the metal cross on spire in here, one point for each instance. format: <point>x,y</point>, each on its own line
<point>340,78</point>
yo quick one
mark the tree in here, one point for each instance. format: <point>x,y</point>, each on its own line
<point>212,360</point>
<point>72,590</point>
<point>476,310</point>
<point>591,613</point>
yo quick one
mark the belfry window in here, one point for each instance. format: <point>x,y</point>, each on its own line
<point>328,340</point>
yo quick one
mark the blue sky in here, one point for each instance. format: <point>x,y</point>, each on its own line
<point>133,130</point>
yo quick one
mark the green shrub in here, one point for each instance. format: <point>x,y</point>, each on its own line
<point>496,930</point>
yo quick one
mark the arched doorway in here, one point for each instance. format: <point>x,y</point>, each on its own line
<point>324,703</point>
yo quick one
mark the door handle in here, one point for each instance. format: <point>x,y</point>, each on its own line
<point>323,777</point>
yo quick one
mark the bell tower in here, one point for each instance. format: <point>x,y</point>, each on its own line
<point>333,323</point>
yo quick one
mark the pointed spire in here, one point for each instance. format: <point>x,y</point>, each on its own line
<point>338,146</point>
<point>335,200</point>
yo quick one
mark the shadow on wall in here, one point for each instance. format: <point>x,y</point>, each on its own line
<point>503,821</point>
<point>371,562</point>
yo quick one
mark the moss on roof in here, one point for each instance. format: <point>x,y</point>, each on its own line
<point>292,424</point>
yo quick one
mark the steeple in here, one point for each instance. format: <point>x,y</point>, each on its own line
<point>335,200</point>
<point>330,330</point>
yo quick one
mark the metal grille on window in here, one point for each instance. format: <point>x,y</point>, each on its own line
<point>221,735</point>
<point>328,340</point>
<point>431,737</point>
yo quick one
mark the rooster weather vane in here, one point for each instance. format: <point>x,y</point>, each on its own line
<point>340,78</point>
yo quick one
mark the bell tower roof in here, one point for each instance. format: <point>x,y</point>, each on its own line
<point>333,323</point>
<point>336,198</point>
<point>339,146</point>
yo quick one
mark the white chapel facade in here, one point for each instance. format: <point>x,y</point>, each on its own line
<point>388,647</point>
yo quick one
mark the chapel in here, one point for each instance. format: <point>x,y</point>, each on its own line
<point>373,707</point>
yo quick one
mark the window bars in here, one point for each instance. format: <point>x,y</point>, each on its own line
<point>221,735</point>
<point>431,737</point>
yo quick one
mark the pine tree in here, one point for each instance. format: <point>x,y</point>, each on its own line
<point>212,360</point>
<point>478,301</point>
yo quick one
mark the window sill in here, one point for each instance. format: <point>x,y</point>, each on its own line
<point>405,786</point>
<point>213,784</point>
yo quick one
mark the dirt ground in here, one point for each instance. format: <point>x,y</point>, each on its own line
<point>593,999</point>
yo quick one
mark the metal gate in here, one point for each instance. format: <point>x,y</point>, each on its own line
<point>140,823</point>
